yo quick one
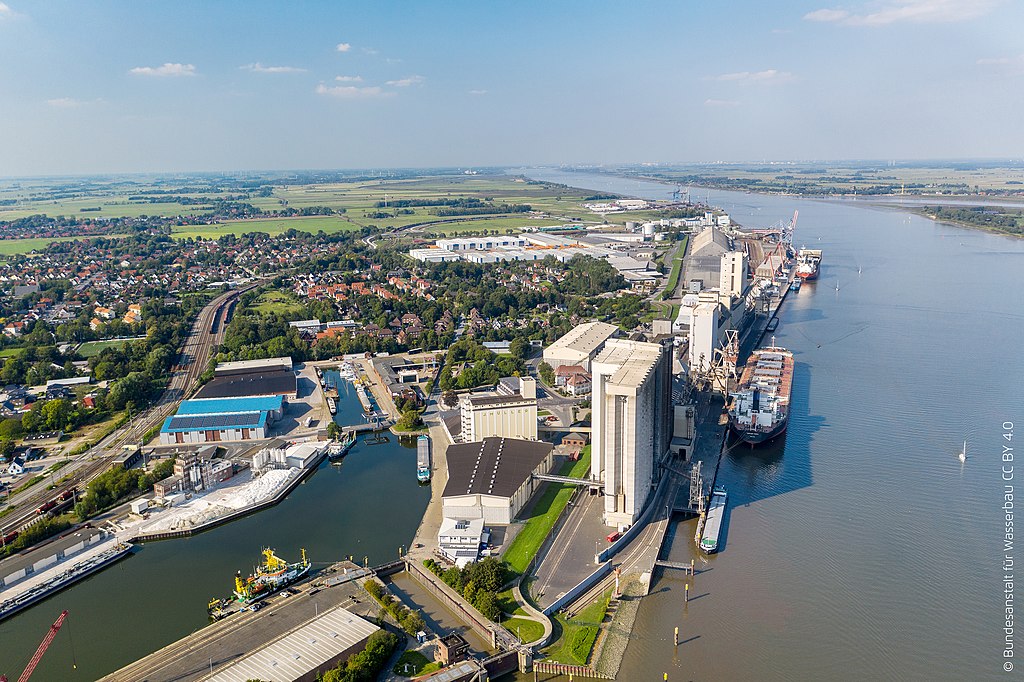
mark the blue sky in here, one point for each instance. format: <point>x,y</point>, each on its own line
<point>175,86</point>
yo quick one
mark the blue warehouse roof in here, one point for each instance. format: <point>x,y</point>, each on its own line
<point>230,405</point>
<point>214,422</point>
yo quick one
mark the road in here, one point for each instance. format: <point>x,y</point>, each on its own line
<point>192,361</point>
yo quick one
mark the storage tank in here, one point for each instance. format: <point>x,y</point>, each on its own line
<point>648,230</point>
<point>631,225</point>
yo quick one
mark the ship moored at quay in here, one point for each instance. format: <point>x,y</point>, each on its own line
<point>760,406</point>
<point>808,262</point>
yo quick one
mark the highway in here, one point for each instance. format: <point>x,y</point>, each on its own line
<point>192,360</point>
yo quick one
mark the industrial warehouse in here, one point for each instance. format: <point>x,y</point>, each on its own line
<point>493,479</point>
<point>241,402</point>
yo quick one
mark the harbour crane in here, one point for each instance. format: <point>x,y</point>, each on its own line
<point>43,646</point>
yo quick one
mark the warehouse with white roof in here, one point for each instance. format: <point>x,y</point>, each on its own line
<point>579,346</point>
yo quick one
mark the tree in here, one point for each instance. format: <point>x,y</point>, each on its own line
<point>487,604</point>
<point>449,398</point>
<point>130,389</point>
<point>11,429</point>
<point>547,374</point>
<point>519,348</point>
<point>410,421</point>
<point>55,414</point>
<point>333,430</point>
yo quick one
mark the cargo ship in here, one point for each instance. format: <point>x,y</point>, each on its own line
<point>808,262</point>
<point>713,522</point>
<point>760,406</point>
<point>423,458</point>
<point>270,576</point>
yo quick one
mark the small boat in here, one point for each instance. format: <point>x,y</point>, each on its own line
<point>963,454</point>
<point>773,324</point>
<point>332,405</point>
<point>837,285</point>
<point>795,284</point>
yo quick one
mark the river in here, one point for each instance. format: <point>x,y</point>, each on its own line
<point>860,547</point>
<point>159,594</point>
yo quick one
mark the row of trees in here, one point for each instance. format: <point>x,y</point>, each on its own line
<point>478,582</point>
<point>111,487</point>
<point>411,621</point>
<point>366,665</point>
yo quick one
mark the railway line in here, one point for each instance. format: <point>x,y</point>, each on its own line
<point>193,358</point>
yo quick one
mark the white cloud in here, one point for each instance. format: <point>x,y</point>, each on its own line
<point>167,69</point>
<point>64,102</point>
<point>406,82</point>
<point>259,68</point>
<point>349,79</point>
<point>371,51</point>
<point>478,92</point>
<point>913,11</point>
<point>344,47</point>
<point>768,76</point>
<point>826,15</point>
<point>1013,66</point>
<point>720,103</point>
<point>7,13</point>
<point>351,91</point>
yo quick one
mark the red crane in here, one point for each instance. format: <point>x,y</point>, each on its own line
<point>43,646</point>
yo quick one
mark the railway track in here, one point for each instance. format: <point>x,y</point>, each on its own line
<point>193,359</point>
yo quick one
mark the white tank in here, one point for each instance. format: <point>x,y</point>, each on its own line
<point>648,230</point>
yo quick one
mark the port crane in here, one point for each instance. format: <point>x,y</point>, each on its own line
<point>43,646</point>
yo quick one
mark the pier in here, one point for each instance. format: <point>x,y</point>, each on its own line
<point>202,654</point>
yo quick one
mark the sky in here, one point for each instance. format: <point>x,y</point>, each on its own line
<point>145,86</point>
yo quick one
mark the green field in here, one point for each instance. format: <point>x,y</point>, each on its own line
<point>677,268</point>
<point>578,634</point>
<point>272,226</point>
<point>91,348</point>
<point>544,514</point>
<point>11,247</point>
<point>414,664</point>
<point>280,302</point>
<point>526,630</point>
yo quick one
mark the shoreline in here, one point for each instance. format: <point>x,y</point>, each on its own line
<point>883,201</point>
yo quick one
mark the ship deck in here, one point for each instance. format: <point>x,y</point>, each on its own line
<point>713,524</point>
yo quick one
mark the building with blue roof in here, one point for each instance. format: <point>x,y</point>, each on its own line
<point>272,404</point>
<point>211,420</point>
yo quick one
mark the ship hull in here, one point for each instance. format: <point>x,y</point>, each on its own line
<point>274,587</point>
<point>808,276</point>
<point>758,437</point>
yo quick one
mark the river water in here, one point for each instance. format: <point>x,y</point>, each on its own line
<point>159,594</point>
<point>859,547</point>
